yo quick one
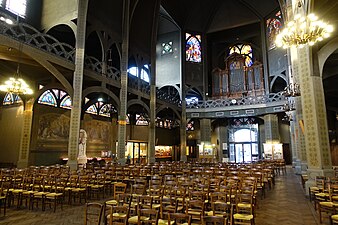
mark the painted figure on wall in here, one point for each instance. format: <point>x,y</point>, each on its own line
<point>82,158</point>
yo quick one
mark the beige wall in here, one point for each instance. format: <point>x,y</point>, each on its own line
<point>10,133</point>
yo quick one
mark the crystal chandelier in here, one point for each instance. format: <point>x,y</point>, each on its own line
<point>16,84</point>
<point>303,30</point>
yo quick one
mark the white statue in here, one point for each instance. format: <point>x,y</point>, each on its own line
<point>82,158</point>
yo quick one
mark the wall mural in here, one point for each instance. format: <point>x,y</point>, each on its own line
<point>98,133</point>
<point>53,126</point>
<point>53,131</point>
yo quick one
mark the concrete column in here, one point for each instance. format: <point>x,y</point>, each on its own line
<point>300,140</point>
<point>23,161</point>
<point>314,115</point>
<point>183,132</point>
<point>271,131</point>
<point>271,128</point>
<point>75,116</point>
<point>152,127</point>
<point>223,143</point>
<point>205,127</point>
<point>124,85</point>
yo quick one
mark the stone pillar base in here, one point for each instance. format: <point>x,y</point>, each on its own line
<point>294,162</point>
<point>151,160</point>
<point>22,164</point>
<point>122,161</point>
<point>303,167</point>
<point>298,167</point>
<point>312,173</point>
<point>82,160</point>
<point>183,158</point>
<point>72,164</point>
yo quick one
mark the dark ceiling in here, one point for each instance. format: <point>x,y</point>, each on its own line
<point>218,19</point>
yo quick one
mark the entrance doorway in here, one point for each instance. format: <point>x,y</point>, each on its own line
<point>243,142</point>
<point>243,152</point>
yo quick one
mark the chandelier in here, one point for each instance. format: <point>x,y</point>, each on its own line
<point>303,30</point>
<point>16,85</point>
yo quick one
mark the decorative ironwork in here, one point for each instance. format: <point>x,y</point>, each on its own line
<point>248,100</point>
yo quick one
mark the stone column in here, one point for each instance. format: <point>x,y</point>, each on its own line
<point>152,127</point>
<point>314,115</point>
<point>183,132</point>
<point>75,116</point>
<point>23,161</point>
<point>124,85</point>
<point>300,141</point>
<point>205,127</point>
<point>223,143</point>
<point>271,129</point>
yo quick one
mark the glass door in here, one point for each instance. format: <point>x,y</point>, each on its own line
<point>239,153</point>
<point>242,152</point>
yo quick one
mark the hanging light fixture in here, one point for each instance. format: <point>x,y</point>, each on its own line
<point>303,30</point>
<point>292,90</point>
<point>16,84</point>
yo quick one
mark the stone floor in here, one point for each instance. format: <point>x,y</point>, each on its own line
<point>285,204</point>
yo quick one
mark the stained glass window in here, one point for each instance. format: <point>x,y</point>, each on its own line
<point>133,71</point>
<point>86,100</point>
<point>17,98</point>
<point>190,125</point>
<point>17,7</point>
<point>8,100</point>
<point>66,102</point>
<point>48,98</point>
<point>56,92</point>
<point>141,120</point>
<point>144,75</point>
<point>62,94</point>
<point>274,25</point>
<point>167,47</point>
<point>244,50</point>
<point>11,99</point>
<point>193,48</point>
<point>127,119</point>
<point>106,110</point>
<point>92,109</point>
<point>57,98</point>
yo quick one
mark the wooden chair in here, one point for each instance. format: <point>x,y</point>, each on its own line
<point>118,215</point>
<point>4,191</point>
<point>143,202</point>
<point>179,219</point>
<point>119,188</point>
<point>244,209</point>
<point>221,209</point>
<point>148,216</point>
<point>195,208</point>
<point>214,220</point>
<point>93,213</point>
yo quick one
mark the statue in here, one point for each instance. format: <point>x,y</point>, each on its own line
<point>82,158</point>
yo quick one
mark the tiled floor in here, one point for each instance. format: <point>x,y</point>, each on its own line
<point>285,204</point>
